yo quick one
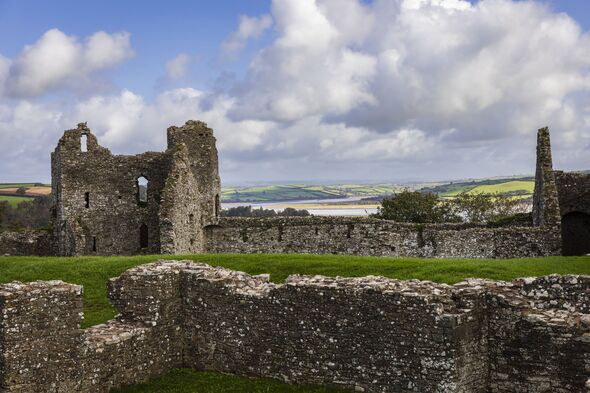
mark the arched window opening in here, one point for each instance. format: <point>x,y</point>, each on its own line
<point>217,205</point>
<point>84,143</point>
<point>87,200</point>
<point>142,189</point>
<point>143,236</point>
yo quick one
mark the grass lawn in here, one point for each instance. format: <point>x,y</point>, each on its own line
<point>93,272</point>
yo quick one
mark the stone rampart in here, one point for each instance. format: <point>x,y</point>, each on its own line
<point>370,334</point>
<point>375,237</point>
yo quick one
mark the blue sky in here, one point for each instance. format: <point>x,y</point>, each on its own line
<point>302,90</point>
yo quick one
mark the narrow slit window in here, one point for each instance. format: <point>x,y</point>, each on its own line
<point>87,200</point>
<point>93,244</point>
<point>143,236</point>
<point>142,189</point>
<point>84,143</point>
<point>217,205</point>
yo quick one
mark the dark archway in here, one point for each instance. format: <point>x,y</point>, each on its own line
<point>575,233</point>
<point>143,236</point>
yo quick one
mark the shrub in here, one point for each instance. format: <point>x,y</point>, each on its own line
<point>417,207</point>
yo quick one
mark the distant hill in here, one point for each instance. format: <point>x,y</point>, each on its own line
<point>510,186</point>
<point>294,192</point>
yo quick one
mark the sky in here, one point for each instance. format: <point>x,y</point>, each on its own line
<point>314,91</point>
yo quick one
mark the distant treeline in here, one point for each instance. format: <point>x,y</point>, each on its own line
<point>33,214</point>
<point>247,211</point>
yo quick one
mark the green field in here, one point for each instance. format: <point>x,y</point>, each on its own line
<point>93,273</point>
<point>15,185</point>
<point>501,188</point>
<point>14,200</point>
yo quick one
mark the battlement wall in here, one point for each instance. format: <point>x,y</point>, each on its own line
<point>375,237</point>
<point>371,334</point>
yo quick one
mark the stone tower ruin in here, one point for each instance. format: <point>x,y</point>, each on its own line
<point>155,202</point>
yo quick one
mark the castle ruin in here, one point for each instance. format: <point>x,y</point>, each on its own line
<point>147,203</point>
<point>169,203</point>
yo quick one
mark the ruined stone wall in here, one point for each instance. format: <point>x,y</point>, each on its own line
<point>545,197</point>
<point>370,334</point>
<point>574,192</point>
<point>23,243</point>
<point>368,236</point>
<point>96,194</point>
<point>180,213</point>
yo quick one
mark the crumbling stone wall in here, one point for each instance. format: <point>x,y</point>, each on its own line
<point>545,198</point>
<point>369,236</point>
<point>96,194</point>
<point>24,243</point>
<point>574,203</point>
<point>370,334</point>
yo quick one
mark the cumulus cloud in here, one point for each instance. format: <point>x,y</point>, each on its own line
<point>249,27</point>
<point>59,61</point>
<point>377,90</point>
<point>431,64</point>
<point>177,67</point>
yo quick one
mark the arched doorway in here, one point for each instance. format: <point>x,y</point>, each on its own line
<point>575,233</point>
<point>143,236</point>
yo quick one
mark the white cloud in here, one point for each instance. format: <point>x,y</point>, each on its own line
<point>347,89</point>
<point>249,27</point>
<point>177,67</point>
<point>59,61</point>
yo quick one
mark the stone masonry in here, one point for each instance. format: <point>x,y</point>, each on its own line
<point>369,334</point>
<point>99,206</point>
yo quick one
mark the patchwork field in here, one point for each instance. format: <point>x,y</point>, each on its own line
<point>300,192</point>
<point>93,273</point>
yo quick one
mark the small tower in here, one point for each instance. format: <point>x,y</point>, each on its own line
<point>545,199</point>
<point>202,151</point>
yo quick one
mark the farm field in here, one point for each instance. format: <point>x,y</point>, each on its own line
<point>511,186</point>
<point>14,200</point>
<point>93,273</point>
<point>301,192</point>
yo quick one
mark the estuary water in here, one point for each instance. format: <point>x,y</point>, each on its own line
<point>358,210</point>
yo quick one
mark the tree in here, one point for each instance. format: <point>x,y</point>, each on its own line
<point>483,208</point>
<point>21,191</point>
<point>417,207</point>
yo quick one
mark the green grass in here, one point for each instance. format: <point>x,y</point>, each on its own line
<point>189,381</point>
<point>14,200</point>
<point>93,272</point>
<point>16,185</point>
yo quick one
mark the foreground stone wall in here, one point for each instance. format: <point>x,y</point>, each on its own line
<point>24,243</point>
<point>368,236</point>
<point>369,334</point>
